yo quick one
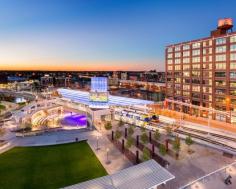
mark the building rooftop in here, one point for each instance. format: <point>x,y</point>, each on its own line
<point>142,176</point>
<point>83,97</point>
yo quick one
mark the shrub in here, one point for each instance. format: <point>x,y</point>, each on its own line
<point>144,138</point>
<point>176,144</point>
<point>188,141</point>
<point>129,142</point>
<point>121,123</point>
<point>157,135</point>
<point>108,126</point>
<point>130,131</point>
<point>117,135</point>
<point>146,154</point>
<point>162,149</point>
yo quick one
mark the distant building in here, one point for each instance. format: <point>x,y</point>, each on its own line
<point>46,80</point>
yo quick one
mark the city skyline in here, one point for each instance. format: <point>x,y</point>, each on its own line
<point>100,35</point>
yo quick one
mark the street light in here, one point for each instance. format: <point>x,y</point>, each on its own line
<point>108,161</point>
<point>97,137</point>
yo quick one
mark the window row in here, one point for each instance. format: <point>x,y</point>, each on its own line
<point>218,41</point>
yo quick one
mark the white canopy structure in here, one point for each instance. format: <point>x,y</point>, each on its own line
<point>83,97</point>
<point>147,175</point>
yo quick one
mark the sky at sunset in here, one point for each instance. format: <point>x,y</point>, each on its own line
<point>101,34</point>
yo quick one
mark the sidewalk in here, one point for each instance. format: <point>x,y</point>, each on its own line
<point>117,160</point>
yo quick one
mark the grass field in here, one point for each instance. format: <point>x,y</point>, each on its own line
<point>48,167</point>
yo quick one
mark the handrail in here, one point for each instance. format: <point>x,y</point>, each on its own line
<point>209,174</point>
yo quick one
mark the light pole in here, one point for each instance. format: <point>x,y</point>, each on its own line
<point>108,161</point>
<point>97,137</point>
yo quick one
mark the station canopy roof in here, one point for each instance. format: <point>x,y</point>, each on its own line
<point>83,97</point>
<point>142,176</point>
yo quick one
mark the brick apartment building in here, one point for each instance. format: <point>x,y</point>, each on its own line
<point>201,75</point>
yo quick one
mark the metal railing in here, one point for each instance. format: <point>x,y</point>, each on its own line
<point>208,175</point>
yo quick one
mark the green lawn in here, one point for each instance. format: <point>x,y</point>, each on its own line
<point>48,167</point>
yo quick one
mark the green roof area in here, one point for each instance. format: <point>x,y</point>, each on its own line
<point>49,166</point>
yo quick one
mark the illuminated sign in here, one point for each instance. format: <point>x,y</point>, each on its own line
<point>98,97</point>
<point>98,91</point>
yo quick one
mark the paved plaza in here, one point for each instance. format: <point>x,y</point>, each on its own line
<point>187,169</point>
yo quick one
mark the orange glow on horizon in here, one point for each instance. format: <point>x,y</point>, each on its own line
<point>54,65</point>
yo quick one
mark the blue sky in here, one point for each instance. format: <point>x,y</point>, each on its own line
<point>101,34</point>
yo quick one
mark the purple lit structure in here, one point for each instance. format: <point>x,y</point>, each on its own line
<point>74,120</point>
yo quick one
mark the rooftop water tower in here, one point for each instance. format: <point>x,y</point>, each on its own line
<point>225,25</point>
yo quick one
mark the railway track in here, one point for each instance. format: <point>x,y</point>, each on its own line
<point>212,134</point>
<point>206,139</point>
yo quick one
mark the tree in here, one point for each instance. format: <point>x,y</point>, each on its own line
<point>130,131</point>
<point>146,154</point>
<point>108,125</point>
<point>176,145</point>
<point>118,134</point>
<point>162,149</point>
<point>144,138</point>
<point>129,142</point>
<point>121,123</point>
<point>189,142</point>
<point>157,135</point>
<point>168,131</point>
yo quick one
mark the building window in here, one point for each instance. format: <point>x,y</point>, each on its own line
<point>207,51</point>
<point>177,67</point>
<point>186,87</point>
<point>220,74</point>
<point>170,49</point>
<point>207,43</point>
<point>169,61</point>
<point>233,56</point>
<point>186,67</point>
<point>220,41</point>
<point>196,52</point>
<point>177,61</point>
<point>196,45</point>
<point>233,47</point>
<point>221,49</point>
<point>177,48</point>
<point>232,84</point>
<point>186,47</point>
<point>170,55</point>
<point>233,75</point>
<point>207,59</point>
<point>186,60</point>
<point>220,66</point>
<point>232,65</point>
<point>196,59</point>
<point>233,39</point>
<point>220,58</point>
<point>186,53</point>
<point>178,80</point>
<point>186,74</point>
<point>177,55</point>
<point>186,93</point>
<point>196,88</point>
<point>196,66</point>
<point>169,67</point>
<point>196,73</point>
